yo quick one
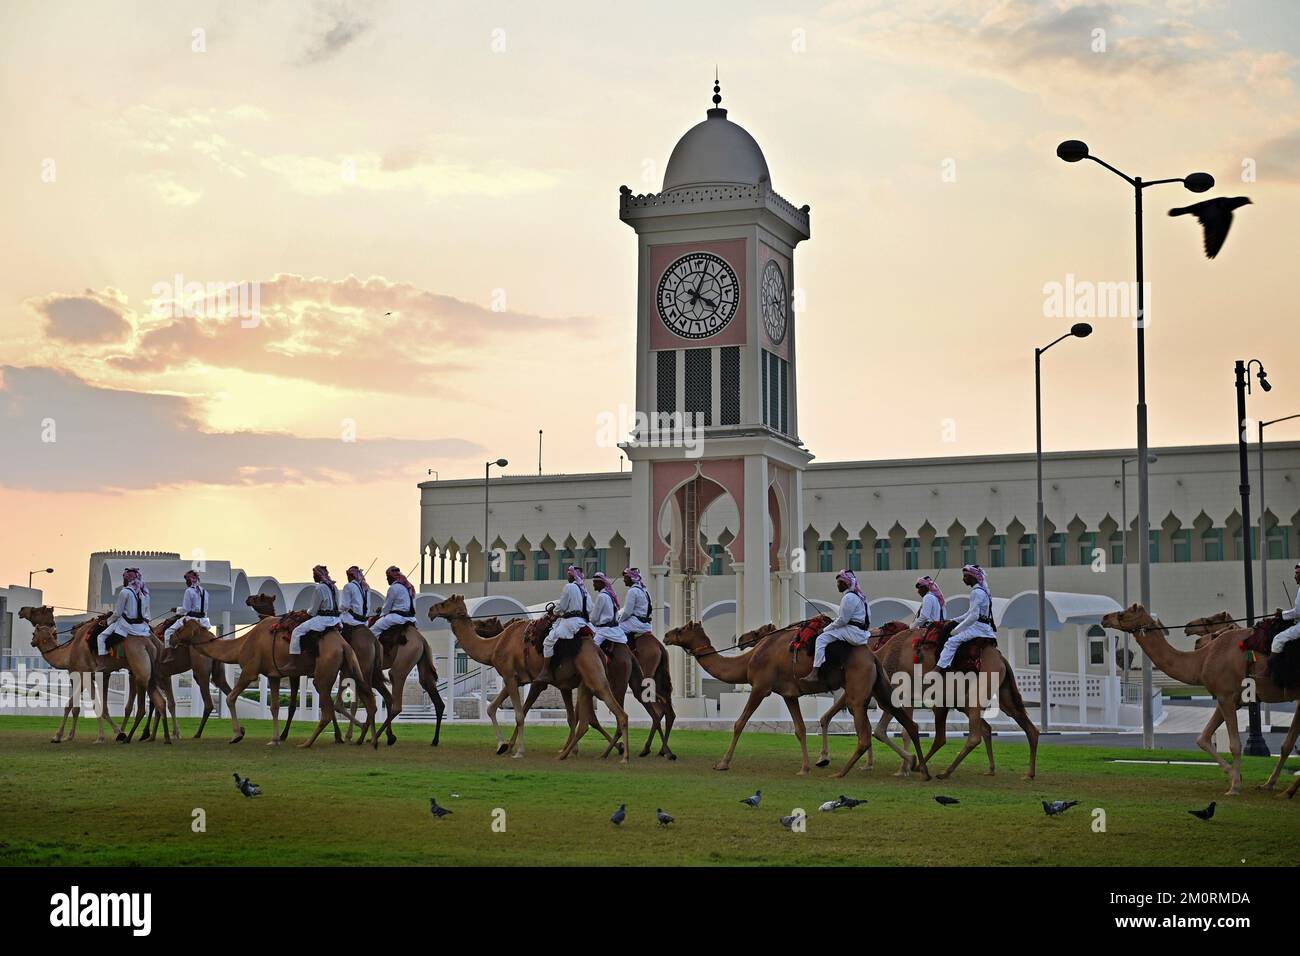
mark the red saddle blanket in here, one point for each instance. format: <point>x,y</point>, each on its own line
<point>807,633</point>
<point>284,625</point>
<point>537,631</point>
<point>1261,637</point>
<point>882,635</point>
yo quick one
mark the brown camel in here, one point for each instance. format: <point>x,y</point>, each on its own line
<point>60,656</point>
<point>1206,629</point>
<point>78,656</point>
<point>259,651</point>
<point>366,648</point>
<point>517,661</point>
<point>770,668</point>
<point>1222,668</point>
<point>898,655</point>
<point>178,662</point>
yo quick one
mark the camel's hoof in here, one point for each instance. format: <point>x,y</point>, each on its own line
<point>672,756</point>
<point>121,737</point>
<point>942,775</point>
<point>823,762</point>
<point>645,753</point>
<point>719,766</point>
<point>802,773</point>
<point>990,773</point>
<point>167,743</point>
<point>1233,793</point>
<point>304,745</point>
<point>238,737</point>
<point>56,740</point>
<point>502,748</point>
<point>273,743</point>
<point>1027,777</point>
<point>621,750</point>
<point>1263,786</point>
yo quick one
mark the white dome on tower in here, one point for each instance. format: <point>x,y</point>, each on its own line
<point>715,152</point>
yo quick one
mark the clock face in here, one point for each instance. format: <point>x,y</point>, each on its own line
<point>698,295</point>
<point>774,301</point>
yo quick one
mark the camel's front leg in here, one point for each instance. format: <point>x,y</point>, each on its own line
<point>792,705</point>
<point>240,686</point>
<point>1287,746</point>
<point>1228,706</point>
<point>756,696</point>
<point>973,738</point>
<point>295,685</point>
<point>824,758</point>
<point>273,685</point>
<point>324,688</point>
<point>502,745</point>
<point>881,733</point>
<point>58,736</point>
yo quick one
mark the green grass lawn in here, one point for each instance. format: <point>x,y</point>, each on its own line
<point>78,803</point>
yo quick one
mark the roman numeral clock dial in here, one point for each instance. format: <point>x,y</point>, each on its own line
<point>698,295</point>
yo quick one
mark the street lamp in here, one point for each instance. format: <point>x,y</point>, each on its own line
<point>1080,330</point>
<point>1123,517</point>
<point>37,571</point>
<point>487,467</point>
<point>1256,745</point>
<point>1072,151</point>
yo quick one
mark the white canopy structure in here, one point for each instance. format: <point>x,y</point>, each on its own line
<point>1063,608</point>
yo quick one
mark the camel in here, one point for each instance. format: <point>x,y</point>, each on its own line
<point>517,661</point>
<point>180,661</point>
<point>897,655</point>
<point>1206,629</point>
<point>257,653</point>
<point>365,646</point>
<point>769,667</point>
<point>1222,668</point>
<point>78,656</point>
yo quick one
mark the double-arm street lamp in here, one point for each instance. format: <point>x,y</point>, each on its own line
<point>1072,151</point>
<point>487,548</point>
<point>1080,330</point>
<point>1256,745</point>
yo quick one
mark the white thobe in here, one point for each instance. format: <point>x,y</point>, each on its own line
<point>930,612</point>
<point>1292,632</point>
<point>635,607</point>
<point>128,605</point>
<point>398,611</point>
<point>844,628</point>
<point>573,600</point>
<point>970,626</point>
<point>354,603</point>
<point>603,621</point>
<point>193,605</point>
<point>324,615</point>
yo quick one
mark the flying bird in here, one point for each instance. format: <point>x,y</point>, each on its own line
<point>849,803</point>
<point>1203,814</point>
<point>437,811</point>
<point>1215,217</point>
<point>663,818</point>
<point>755,800</point>
<point>946,801</point>
<point>1057,807</point>
<point>247,787</point>
<point>619,815</point>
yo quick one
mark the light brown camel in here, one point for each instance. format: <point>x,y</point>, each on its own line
<point>366,648</point>
<point>59,656</point>
<point>898,656</point>
<point>517,662</point>
<point>205,672</point>
<point>79,657</point>
<point>770,668</point>
<point>258,652</point>
<point>1206,629</point>
<point>1221,667</point>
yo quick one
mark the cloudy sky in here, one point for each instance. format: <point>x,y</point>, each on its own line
<point>426,196</point>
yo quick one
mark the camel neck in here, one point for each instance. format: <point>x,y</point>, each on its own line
<point>478,648</point>
<point>730,670</point>
<point>1184,666</point>
<point>224,650</point>
<point>58,656</point>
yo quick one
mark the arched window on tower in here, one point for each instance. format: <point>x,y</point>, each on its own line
<point>911,554</point>
<point>882,554</point>
<point>853,555</point>
<point>825,556</point>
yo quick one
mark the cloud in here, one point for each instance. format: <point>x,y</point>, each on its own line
<point>343,28</point>
<point>105,439</point>
<point>87,319</point>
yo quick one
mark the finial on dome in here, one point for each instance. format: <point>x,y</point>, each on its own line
<point>717,88</point>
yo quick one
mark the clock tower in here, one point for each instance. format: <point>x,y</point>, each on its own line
<point>716,378</point>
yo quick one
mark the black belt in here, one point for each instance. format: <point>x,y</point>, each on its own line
<point>985,620</point>
<point>403,613</point>
<point>861,624</point>
<point>610,623</point>
<point>135,620</point>
<point>643,620</point>
<point>194,614</point>
<point>331,612</point>
<point>574,614</point>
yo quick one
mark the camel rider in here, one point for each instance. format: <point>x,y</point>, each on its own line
<point>634,617</point>
<point>354,599</point>
<point>1292,632</point>
<point>932,603</point>
<point>194,606</point>
<point>850,625</point>
<point>324,609</point>
<point>571,615</point>
<point>399,603</point>
<point>978,620</point>
<point>130,614</point>
<point>604,614</point>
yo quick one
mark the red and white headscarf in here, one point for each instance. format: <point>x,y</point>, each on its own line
<point>608,586</point>
<point>635,575</point>
<point>977,572</point>
<point>931,585</point>
<point>133,579</point>
<point>395,576</point>
<point>356,574</point>
<point>851,579</point>
<point>321,575</point>
<point>191,577</point>
<point>578,577</point>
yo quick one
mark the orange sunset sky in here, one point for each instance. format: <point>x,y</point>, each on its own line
<point>458,166</point>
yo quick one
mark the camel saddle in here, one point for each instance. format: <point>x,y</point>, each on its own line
<point>1261,636</point>
<point>880,636</point>
<point>807,633</point>
<point>285,623</point>
<point>967,659</point>
<point>161,629</point>
<point>537,630</point>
